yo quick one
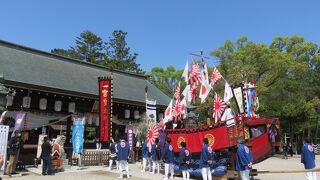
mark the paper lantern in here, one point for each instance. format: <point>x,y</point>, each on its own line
<point>72,107</point>
<point>26,101</point>
<point>43,104</point>
<point>136,114</point>
<point>9,100</point>
<point>57,106</point>
<point>127,113</point>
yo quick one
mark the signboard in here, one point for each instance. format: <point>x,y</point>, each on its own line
<point>104,107</point>
<point>77,134</point>
<point>4,132</point>
<point>40,141</point>
<point>130,136</point>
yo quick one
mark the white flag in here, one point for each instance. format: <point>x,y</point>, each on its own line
<point>205,72</point>
<point>168,113</point>
<point>187,93</point>
<point>204,90</point>
<point>184,105</point>
<point>227,93</point>
<point>185,73</point>
<point>152,110</point>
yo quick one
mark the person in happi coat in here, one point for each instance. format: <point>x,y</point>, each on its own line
<point>168,156</point>
<point>146,157</point>
<point>123,155</point>
<point>308,159</point>
<point>244,160</point>
<point>184,161</point>
<point>156,156</point>
<point>206,160</point>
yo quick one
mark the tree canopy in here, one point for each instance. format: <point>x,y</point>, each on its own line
<point>113,53</point>
<point>286,74</point>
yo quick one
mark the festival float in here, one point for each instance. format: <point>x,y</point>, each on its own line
<point>262,134</point>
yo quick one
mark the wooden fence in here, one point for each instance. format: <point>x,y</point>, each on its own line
<point>95,157</point>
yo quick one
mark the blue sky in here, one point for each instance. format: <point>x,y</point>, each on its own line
<point>162,32</point>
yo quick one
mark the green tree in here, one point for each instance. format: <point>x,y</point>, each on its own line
<point>67,53</point>
<point>166,79</point>
<point>89,46</point>
<point>118,54</point>
<point>286,74</point>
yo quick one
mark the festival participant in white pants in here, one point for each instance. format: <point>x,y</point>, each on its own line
<point>156,156</point>
<point>206,160</point>
<point>146,157</point>
<point>123,155</point>
<point>184,161</point>
<point>308,159</point>
<point>167,156</point>
<point>244,160</point>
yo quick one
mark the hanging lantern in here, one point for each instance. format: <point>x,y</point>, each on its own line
<point>136,114</point>
<point>26,101</point>
<point>43,104</point>
<point>57,106</point>
<point>9,100</point>
<point>72,107</point>
<point>127,113</point>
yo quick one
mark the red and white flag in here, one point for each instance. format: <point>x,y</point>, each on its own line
<point>204,90</point>
<point>185,73</point>
<point>218,107</point>
<point>177,92</point>
<point>177,109</point>
<point>215,76</point>
<point>227,93</point>
<point>168,113</point>
<point>195,75</point>
<point>153,133</point>
<point>194,93</point>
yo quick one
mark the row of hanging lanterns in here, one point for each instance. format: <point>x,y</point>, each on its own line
<point>26,102</point>
<point>136,114</point>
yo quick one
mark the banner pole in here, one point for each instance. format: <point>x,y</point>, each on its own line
<point>146,94</point>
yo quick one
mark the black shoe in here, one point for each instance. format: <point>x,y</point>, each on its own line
<point>14,173</point>
<point>44,174</point>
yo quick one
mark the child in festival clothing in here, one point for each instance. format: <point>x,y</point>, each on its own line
<point>146,157</point>
<point>123,155</point>
<point>156,156</point>
<point>184,161</point>
<point>206,160</point>
<point>167,156</point>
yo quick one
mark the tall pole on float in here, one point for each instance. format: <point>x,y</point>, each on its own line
<point>146,94</point>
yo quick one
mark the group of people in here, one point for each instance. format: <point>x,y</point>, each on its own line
<point>287,149</point>
<point>152,156</point>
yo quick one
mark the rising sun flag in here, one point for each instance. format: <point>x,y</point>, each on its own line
<point>218,108</point>
<point>153,133</point>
